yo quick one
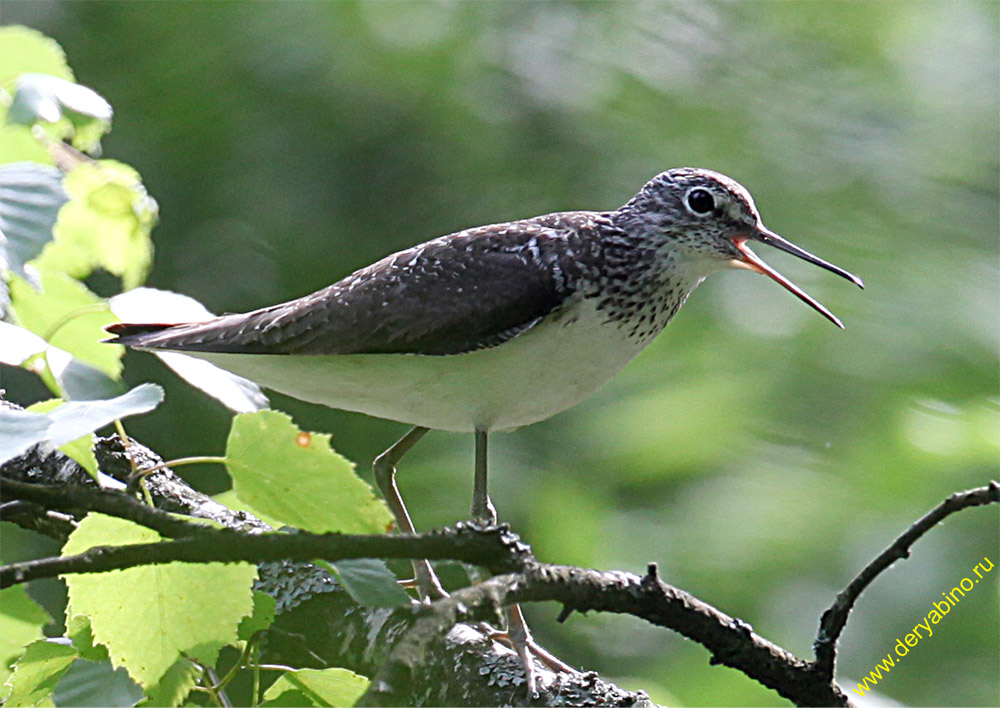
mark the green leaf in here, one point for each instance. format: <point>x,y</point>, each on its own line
<point>89,683</point>
<point>261,618</point>
<point>21,622</point>
<point>321,687</point>
<point>105,224</point>
<point>291,699</point>
<point>147,616</point>
<point>81,449</point>
<point>79,631</point>
<point>25,50</point>
<point>77,381</point>
<point>370,582</point>
<point>68,316</point>
<point>37,673</point>
<point>294,477</point>
<point>41,98</point>
<point>175,685</point>
<point>22,429</point>
<point>31,196</point>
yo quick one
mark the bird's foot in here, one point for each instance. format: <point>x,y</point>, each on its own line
<point>426,581</point>
<point>428,584</point>
<point>518,637</point>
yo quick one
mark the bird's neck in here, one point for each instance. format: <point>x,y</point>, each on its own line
<point>639,280</point>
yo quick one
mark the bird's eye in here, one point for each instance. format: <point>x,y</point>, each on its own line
<point>700,201</point>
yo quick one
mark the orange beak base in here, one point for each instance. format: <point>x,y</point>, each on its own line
<point>751,261</point>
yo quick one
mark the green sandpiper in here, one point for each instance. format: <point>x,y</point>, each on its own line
<point>494,327</point>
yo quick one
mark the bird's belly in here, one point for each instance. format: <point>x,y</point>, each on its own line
<point>546,370</point>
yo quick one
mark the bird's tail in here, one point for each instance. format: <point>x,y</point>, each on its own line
<point>221,334</point>
<point>132,334</point>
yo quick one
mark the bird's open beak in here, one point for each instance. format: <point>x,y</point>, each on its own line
<point>751,261</point>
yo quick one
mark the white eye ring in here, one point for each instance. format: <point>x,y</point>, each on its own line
<point>700,201</point>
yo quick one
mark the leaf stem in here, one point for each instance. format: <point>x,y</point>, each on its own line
<point>180,461</point>
<point>241,663</point>
<point>72,315</point>
<point>135,474</point>
<point>220,691</point>
<point>211,685</point>
<point>141,475</point>
<point>255,698</point>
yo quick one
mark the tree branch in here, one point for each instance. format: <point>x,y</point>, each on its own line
<point>105,501</point>
<point>466,668</point>
<point>835,618</point>
<point>730,641</point>
<point>318,624</point>
<point>495,548</point>
<point>414,645</point>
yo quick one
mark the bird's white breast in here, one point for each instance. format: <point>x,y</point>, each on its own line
<point>549,368</point>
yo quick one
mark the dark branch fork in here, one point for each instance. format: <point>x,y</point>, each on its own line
<point>730,641</point>
<point>312,606</point>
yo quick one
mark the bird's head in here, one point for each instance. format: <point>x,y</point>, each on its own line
<point>708,218</point>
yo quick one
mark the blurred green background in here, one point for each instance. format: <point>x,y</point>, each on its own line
<point>754,451</point>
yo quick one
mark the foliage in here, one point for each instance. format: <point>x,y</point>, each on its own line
<point>22,623</point>
<point>69,421</point>
<point>757,454</point>
<point>294,476</point>
<point>37,673</point>
<point>327,687</point>
<point>164,625</point>
<point>185,609</point>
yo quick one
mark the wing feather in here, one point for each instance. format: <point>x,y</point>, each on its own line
<point>468,291</point>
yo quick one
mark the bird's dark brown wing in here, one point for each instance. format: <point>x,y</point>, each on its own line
<point>455,294</point>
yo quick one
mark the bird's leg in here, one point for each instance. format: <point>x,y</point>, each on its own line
<point>483,510</point>
<point>520,638</point>
<point>384,469</point>
<point>517,635</point>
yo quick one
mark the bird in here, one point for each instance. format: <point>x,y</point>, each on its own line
<point>495,327</point>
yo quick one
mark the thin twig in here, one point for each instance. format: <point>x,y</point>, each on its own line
<point>136,480</point>
<point>835,618</point>
<point>210,684</point>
